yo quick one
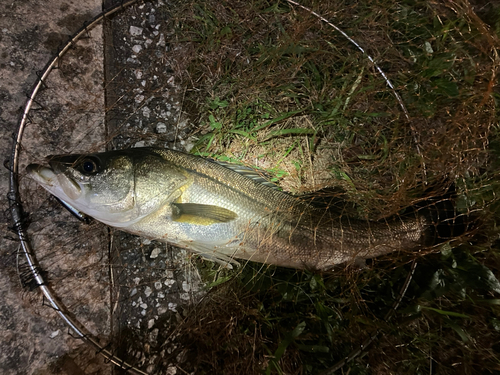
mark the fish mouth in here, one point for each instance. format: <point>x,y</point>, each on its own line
<point>42,174</point>
<point>55,180</point>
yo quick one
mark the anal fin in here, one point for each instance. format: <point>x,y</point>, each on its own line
<point>210,252</point>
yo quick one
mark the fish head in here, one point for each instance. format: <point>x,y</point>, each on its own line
<point>117,187</point>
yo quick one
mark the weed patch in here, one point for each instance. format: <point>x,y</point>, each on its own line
<point>275,88</point>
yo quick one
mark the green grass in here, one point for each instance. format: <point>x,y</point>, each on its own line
<point>274,88</point>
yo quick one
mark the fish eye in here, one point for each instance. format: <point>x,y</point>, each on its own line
<point>89,166</point>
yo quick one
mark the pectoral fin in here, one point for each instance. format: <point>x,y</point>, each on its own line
<point>201,214</point>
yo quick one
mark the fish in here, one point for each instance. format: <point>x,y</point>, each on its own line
<point>219,210</point>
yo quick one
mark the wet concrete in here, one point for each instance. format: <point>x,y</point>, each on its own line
<point>32,338</point>
<point>31,341</point>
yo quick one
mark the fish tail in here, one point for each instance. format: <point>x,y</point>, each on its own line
<point>445,222</point>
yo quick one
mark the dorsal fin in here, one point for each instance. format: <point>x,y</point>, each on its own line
<point>256,175</point>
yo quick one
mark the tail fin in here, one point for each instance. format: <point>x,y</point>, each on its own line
<point>445,222</point>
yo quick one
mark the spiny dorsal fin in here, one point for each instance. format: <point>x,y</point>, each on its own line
<point>251,173</point>
<point>201,214</point>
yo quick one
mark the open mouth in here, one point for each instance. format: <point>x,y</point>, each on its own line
<point>42,174</point>
<point>54,181</point>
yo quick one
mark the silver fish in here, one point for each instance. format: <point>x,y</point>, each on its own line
<point>206,207</point>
